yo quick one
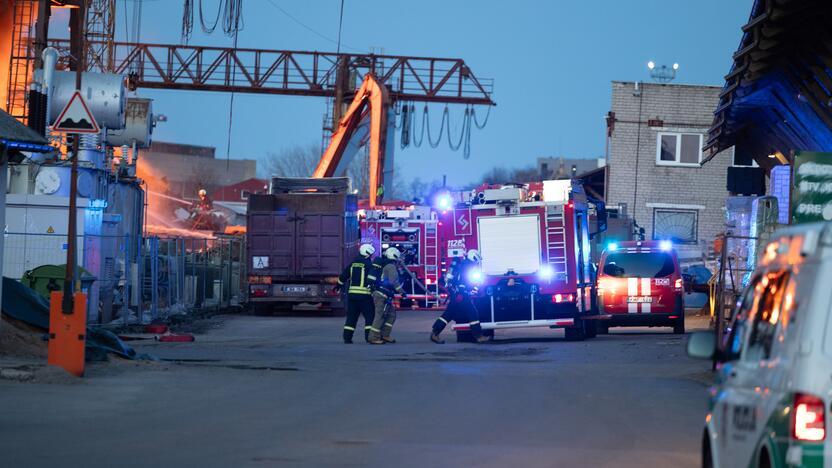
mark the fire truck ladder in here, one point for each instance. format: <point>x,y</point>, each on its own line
<point>556,240</point>
<point>20,63</point>
<point>431,265</point>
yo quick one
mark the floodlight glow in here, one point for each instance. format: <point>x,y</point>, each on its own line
<point>675,66</point>
<point>666,245</point>
<point>443,201</point>
<point>651,65</point>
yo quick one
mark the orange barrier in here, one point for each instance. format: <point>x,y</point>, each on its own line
<point>67,333</point>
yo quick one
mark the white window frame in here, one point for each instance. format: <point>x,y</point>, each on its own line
<point>734,160</point>
<point>672,209</point>
<point>677,162</point>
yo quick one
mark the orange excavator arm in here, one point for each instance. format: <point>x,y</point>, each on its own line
<point>374,96</point>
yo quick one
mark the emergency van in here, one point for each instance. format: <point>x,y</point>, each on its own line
<point>640,284</point>
<point>534,241</point>
<point>774,382</point>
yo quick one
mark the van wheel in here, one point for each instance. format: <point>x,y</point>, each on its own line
<point>764,459</point>
<point>679,326</point>
<point>576,333</point>
<point>707,456</point>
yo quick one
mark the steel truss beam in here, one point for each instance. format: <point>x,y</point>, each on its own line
<point>301,73</point>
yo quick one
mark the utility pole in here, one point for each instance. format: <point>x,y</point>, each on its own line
<point>72,233</point>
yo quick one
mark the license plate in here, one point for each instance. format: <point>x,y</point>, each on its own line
<point>294,289</point>
<point>639,299</point>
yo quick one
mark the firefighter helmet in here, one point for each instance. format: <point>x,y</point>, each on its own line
<point>474,255</point>
<point>366,250</point>
<point>202,192</point>
<point>392,253</point>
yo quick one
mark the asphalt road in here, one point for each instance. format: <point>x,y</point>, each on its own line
<point>271,391</point>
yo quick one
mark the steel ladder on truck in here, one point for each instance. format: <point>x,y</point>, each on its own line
<point>431,264</point>
<point>556,239</point>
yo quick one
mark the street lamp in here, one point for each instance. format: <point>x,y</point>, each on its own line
<point>662,73</point>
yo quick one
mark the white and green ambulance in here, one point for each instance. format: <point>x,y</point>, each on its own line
<point>770,406</point>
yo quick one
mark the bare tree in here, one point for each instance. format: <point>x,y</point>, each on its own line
<point>296,161</point>
<point>501,175</point>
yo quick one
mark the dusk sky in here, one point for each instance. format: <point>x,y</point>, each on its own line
<point>551,62</point>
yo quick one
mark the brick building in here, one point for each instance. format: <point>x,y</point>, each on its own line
<point>656,134</point>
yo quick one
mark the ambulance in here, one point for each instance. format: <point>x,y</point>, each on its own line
<point>770,406</point>
<point>640,284</point>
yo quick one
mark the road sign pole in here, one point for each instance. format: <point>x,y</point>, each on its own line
<point>72,234</point>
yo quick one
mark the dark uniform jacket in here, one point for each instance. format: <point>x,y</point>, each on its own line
<point>357,276</point>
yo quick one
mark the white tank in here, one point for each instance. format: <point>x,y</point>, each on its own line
<point>138,127</point>
<point>104,94</point>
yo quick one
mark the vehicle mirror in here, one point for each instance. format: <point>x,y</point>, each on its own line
<point>702,345</point>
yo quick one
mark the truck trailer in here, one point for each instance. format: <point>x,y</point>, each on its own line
<point>535,245</point>
<point>299,238</point>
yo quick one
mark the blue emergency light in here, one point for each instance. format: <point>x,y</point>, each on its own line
<point>666,245</point>
<point>546,272</point>
<point>612,246</point>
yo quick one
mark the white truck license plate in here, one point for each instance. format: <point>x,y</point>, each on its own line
<point>639,299</point>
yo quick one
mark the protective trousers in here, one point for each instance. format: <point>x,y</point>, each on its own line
<point>358,304</point>
<point>461,310</point>
<point>385,317</point>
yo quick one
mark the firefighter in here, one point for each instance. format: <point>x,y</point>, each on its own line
<point>204,203</point>
<point>386,286</point>
<point>359,295</point>
<point>460,283</point>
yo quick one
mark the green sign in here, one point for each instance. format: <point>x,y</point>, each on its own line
<point>812,188</point>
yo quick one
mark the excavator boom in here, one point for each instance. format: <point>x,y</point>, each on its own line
<point>372,99</point>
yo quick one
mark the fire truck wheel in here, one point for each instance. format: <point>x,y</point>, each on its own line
<point>464,337</point>
<point>590,329</point>
<point>576,333</point>
<point>679,326</point>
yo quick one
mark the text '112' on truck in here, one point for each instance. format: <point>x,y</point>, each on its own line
<point>299,237</point>
<point>535,244</point>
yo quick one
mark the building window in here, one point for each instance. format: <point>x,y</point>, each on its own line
<point>244,194</point>
<point>679,226</point>
<point>679,149</point>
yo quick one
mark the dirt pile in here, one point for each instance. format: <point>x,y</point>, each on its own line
<point>20,340</point>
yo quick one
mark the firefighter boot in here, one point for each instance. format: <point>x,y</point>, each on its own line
<point>435,338</point>
<point>348,331</point>
<point>376,341</point>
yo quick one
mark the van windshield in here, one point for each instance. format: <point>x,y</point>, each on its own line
<point>639,265</point>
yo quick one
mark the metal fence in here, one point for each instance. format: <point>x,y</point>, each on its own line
<point>135,280</point>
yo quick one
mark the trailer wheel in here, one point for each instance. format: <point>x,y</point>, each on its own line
<point>261,310</point>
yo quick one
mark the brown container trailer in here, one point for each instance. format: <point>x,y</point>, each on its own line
<point>299,239</point>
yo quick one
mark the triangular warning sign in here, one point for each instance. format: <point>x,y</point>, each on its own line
<point>50,230</point>
<point>76,117</point>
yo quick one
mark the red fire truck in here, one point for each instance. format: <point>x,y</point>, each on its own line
<point>414,230</point>
<point>534,241</point>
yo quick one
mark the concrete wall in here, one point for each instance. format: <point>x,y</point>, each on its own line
<point>635,176</point>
